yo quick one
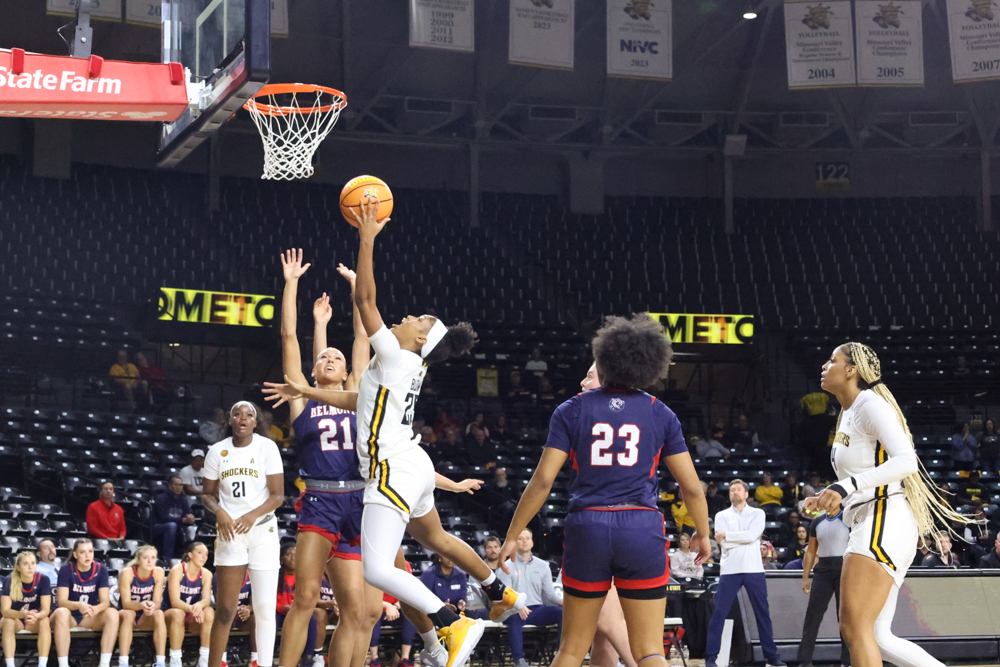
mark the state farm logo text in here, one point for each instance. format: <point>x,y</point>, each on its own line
<point>68,80</point>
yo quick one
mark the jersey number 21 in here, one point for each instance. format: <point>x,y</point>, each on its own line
<point>328,436</point>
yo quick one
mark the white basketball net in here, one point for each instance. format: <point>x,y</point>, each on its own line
<point>292,137</point>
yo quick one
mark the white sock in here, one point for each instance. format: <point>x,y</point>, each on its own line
<point>265,604</point>
<point>253,655</point>
<point>175,654</point>
<point>123,660</point>
<point>223,656</point>
<point>160,659</point>
<point>43,662</point>
<point>105,659</point>
<point>204,650</point>
<point>63,662</point>
<point>490,579</point>
<point>10,662</point>
<point>430,638</point>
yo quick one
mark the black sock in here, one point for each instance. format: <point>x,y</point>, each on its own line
<point>495,590</point>
<point>443,617</point>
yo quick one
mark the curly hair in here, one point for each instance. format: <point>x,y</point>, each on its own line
<point>457,342</point>
<point>631,351</point>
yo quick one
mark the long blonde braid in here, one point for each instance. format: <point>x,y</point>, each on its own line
<point>922,494</point>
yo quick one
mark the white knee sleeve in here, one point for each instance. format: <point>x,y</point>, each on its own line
<point>264,587</point>
<point>381,534</point>
<point>899,652</point>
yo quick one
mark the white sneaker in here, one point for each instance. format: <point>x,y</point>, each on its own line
<point>203,661</point>
<point>434,656</point>
<point>176,662</point>
<point>318,661</point>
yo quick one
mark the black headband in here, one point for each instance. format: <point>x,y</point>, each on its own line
<point>874,384</point>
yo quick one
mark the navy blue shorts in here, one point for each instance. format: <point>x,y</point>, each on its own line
<point>628,546</point>
<point>337,517</point>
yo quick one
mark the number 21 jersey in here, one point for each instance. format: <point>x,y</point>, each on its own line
<point>325,439</point>
<point>242,472</point>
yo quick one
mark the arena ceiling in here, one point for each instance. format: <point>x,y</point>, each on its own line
<point>730,78</point>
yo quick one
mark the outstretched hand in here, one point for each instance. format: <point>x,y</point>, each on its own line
<point>468,486</point>
<point>322,310</point>
<point>349,275</point>
<point>282,393</point>
<point>369,225</point>
<point>291,264</point>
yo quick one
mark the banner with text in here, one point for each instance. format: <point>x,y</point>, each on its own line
<point>542,33</point>
<point>717,329</point>
<point>974,27</point>
<point>819,41</point>
<point>640,39</point>
<point>110,10</point>
<point>443,24</point>
<point>890,42</point>
<point>188,305</point>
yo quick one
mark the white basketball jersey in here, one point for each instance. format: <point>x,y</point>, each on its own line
<point>242,472</point>
<point>387,398</point>
<point>856,447</point>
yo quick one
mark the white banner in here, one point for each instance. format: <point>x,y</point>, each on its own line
<point>819,40</point>
<point>974,27</point>
<point>640,39</point>
<point>279,18</point>
<point>890,42</point>
<point>443,24</point>
<point>542,33</point>
<point>110,10</point>
<point>145,12</point>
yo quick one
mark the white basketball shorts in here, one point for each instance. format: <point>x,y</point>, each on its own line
<point>885,531</point>
<point>404,482</point>
<point>260,548</point>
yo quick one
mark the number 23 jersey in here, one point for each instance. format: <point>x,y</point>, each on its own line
<point>242,472</point>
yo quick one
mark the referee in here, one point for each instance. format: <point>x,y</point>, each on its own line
<point>828,539</point>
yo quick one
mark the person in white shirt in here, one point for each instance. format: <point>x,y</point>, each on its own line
<point>738,530</point>
<point>536,364</point>
<point>244,485</point>
<point>192,475</point>
<point>682,561</point>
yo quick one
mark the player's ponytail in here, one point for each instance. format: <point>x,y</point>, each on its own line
<point>186,558</point>
<point>925,501</point>
<point>16,580</point>
<point>458,341</point>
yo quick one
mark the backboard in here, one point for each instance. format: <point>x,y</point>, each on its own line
<point>225,48</point>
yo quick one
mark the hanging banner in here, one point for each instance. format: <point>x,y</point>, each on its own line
<point>279,18</point>
<point>974,27</point>
<point>143,12</point>
<point>819,41</point>
<point>109,10</point>
<point>640,39</point>
<point>443,24</point>
<point>542,33</point>
<point>890,42</point>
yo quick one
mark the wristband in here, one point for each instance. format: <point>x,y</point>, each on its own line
<point>839,489</point>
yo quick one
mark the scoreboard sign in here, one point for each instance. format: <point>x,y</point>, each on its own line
<point>715,329</point>
<point>188,305</point>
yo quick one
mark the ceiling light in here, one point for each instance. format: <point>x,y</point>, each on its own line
<point>749,14</point>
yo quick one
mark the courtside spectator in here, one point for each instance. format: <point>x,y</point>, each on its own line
<point>171,514</point>
<point>991,561</point>
<point>944,559</point>
<point>105,518</point>
<point>536,364</point>
<point>710,447</point>
<point>48,561</point>
<point>127,381</point>
<point>716,503</point>
<point>790,491</point>
<point>213,431</point>
<point>479,421</point>
<point>963,448</point>
<point>500,432</point>
<point>769,556</point>
<point>533,577</point>
<point>742,434</point>
<point>787,534</point>
<point>193,476</point>
<point>797,550</point>
<point>682,561</point>
<point>767,493</point>
<point>923,550</point>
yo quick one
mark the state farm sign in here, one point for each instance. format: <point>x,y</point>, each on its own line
<point>41,86</point>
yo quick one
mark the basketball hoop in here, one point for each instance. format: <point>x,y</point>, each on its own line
<point>292,129</point>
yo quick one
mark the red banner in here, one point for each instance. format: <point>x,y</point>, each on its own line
<point>42,86</point>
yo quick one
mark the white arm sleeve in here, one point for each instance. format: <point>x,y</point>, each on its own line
<point>273,464</point>
<point>388,354</point>
<point>211,468</point>
<point>877,418</point>
<point>750,535</point>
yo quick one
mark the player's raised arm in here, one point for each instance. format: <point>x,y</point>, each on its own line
<point>322,314</point>
<point>289,391</point>
<point>291,355</point>
<point>369,227</point>
<point>361,350</point>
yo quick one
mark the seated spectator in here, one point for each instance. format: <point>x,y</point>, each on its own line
<point>944,559</point>
<point>533,577</point>
<point>682,519</point>
<point>515,389</point>
<point>427,437</point>
<point>105,518</point>
<point>710,447</point>
<point>797,550</point>
<point>769,556</point>
<point>213,431</point>
<point>923,550</point>
<point>286,596</point>
<point>26,601</point>
<point>83,599</point>
<point>788,532</point>
<point>971,490</point>
<point>989,448</point>
<point>328,601</point>
<point>682,563</point>
<point>479,421</point>
<point>501,497</point>
<point>790,491</point>
<point>48,561</point>
<point>127,381</point>
<point>716,503</point>
<point>991,561</point>
<point>140,586</point>
<point>767,493</point>
<point>963,449</point>
<point>449,446</point>
<point>160,393</point>
<point>443,421</point>
<point>742,434</point>
<point>480,450</point>
<point>267,428</point>
<point>187,603</point>
<point>546,395</point>
<point>816,481</point>
<point>536,364</point>
<point>501,433</point>
<point>171,514</point>
<point>193,477</point>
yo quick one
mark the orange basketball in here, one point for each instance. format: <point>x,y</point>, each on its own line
<point>364,188</point>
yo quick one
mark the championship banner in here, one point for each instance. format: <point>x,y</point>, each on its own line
<point>188,305</point>
<point>715,329</point>
<point>143,12</point>
<point>890,42</point>
<point>819,41</point>
<point>110,10</point>
<point>974,28</point>
<point>542,33</point>
<point>279,18</point>
<point>640,39</point>
<point>443,24</point>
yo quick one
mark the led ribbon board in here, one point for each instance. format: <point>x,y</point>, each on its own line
<point>717,329</point>
<point>188,305</point>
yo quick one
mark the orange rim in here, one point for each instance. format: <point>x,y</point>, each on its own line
<point>340,99</point>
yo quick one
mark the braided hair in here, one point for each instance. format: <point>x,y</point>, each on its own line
<point>922,495</point>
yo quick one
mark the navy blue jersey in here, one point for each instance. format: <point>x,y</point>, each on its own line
<point>142,589</point>
<point>325,439</point>
<point>31,593</point>
<point>244,600</point>
<point>614,438</point>
<point>84,586</point>
<point>191,589</point>
<point>325,589</point>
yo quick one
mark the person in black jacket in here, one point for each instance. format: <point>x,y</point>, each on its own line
<point>991,561</point>
<point>171,513</point>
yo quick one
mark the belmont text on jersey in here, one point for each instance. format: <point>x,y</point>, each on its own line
<point>326,411</point>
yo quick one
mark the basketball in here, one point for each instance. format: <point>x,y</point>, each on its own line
<point>358,190</point>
